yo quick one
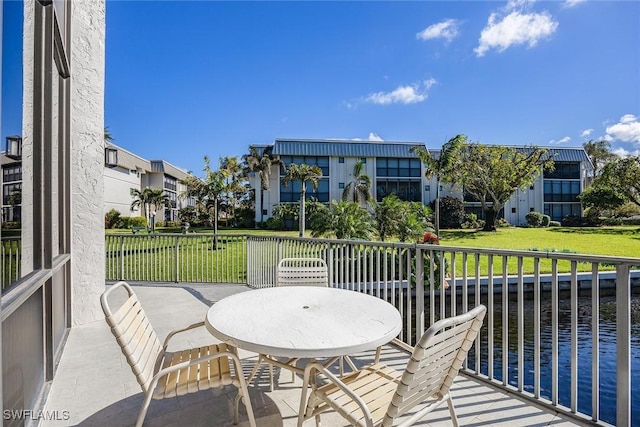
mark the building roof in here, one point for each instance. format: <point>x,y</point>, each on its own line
<point>343,148</point>
<point>161,166</point>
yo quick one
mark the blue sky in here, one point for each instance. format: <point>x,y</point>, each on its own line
<point>188,79</point>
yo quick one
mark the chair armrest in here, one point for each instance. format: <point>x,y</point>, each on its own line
<point>308,372</point>
<point>177,331</point>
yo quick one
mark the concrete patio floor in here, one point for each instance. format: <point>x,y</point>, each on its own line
<point>97,388</point>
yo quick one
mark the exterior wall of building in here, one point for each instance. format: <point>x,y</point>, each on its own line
<point>523,201</point>
<point>118,183</point>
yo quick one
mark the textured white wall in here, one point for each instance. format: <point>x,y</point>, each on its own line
<point>118,183</point>
<point>87,153</point>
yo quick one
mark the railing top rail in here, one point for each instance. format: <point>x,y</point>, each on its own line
<point>10,238</point>
<point>604,259</point>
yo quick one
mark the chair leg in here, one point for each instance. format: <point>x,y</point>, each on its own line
<point>452,411</point>
<point>145,406</point>
<point>243,394</point>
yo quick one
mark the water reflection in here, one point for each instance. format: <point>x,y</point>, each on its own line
<point>607,350</point>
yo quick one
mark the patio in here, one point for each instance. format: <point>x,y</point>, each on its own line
<point>95,385</point>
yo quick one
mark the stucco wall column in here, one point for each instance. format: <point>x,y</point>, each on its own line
<point>87,159</point>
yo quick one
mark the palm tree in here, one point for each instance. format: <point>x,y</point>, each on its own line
<point>302,173</point>
<point>148,198</point>
<point>107,135</point>
<point>260,164</point>
<point>360,187</point>
<point>232,172</point>
<point>207,194</point>
<point>599,153</point>
<point>441,167</point>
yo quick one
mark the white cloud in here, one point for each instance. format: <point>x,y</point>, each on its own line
<point>571,3</point>
<point>585,133</point>
<point>516,28</point>
<point>410,94</point>
<point>560,141</point>
<point>447,29</point>
<point>374,137</point>
<point>620,151</point>
<point>627,129</point>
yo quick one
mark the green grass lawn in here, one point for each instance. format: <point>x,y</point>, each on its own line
<point>612,241</point>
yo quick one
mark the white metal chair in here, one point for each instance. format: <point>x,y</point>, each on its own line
<point>302,272</point>
<point>163,374</point>
<point>377,395</point>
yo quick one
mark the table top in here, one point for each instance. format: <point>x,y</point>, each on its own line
<point>303,321</point>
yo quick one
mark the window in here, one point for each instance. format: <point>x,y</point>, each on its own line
<point>531,187</point>
<point>408,190</point>
<point>513,210</point>
<point>531,209</point>
<point>170,183</point>
<point>341,185</point>
<point>398,167</point>
<point>320,161</point>
<point>561,190</point>
<point>12,173</point>
<point>291,193</point>
<point>564,170</point>
<point>340,159</point>
<point>363,160</point>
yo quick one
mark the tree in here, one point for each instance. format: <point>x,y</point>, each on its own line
<point>414,221</point>
<point>387,215</point>
<point>599,153</point>
<point>358,190</point>
<point>492,173</point>
<point>150,200</point>
<point>107,135</point>
<point>442,167</point>
<point>231,169</point>
<point>302,173</point>
<point>618,183</point>
<point>344,219</point>
<point>260,163</point>
<point>207,194</point>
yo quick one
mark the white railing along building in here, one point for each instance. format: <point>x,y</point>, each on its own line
<point>543,334</point>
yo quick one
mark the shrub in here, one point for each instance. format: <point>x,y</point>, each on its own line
<point>546,219</point>
<point>111,219</point>
<point>502,222</point>
<point>137,221</point>
<point>471,221</point>
<point>534,219</point>
<point>578,221</point>
<point>275,223</point>
<point>451,212</point>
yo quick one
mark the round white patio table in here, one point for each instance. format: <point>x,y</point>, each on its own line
<point>303,321</point>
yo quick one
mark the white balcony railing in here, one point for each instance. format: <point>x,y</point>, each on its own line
<point>558,330</point>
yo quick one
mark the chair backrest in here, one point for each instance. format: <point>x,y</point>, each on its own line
<point>302,272</point>
<point>134,333</point>
<point>436,361</point>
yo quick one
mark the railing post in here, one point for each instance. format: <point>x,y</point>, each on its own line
<point>175,275</point>
<point>623,346</point>
<point>121,238</point>
<point>330,263</point>
<point>419,294</point>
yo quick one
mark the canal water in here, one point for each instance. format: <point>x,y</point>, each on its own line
<point>607,351</point>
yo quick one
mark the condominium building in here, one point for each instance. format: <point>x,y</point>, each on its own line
<point>124,172</point>
<point>395,169</point>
